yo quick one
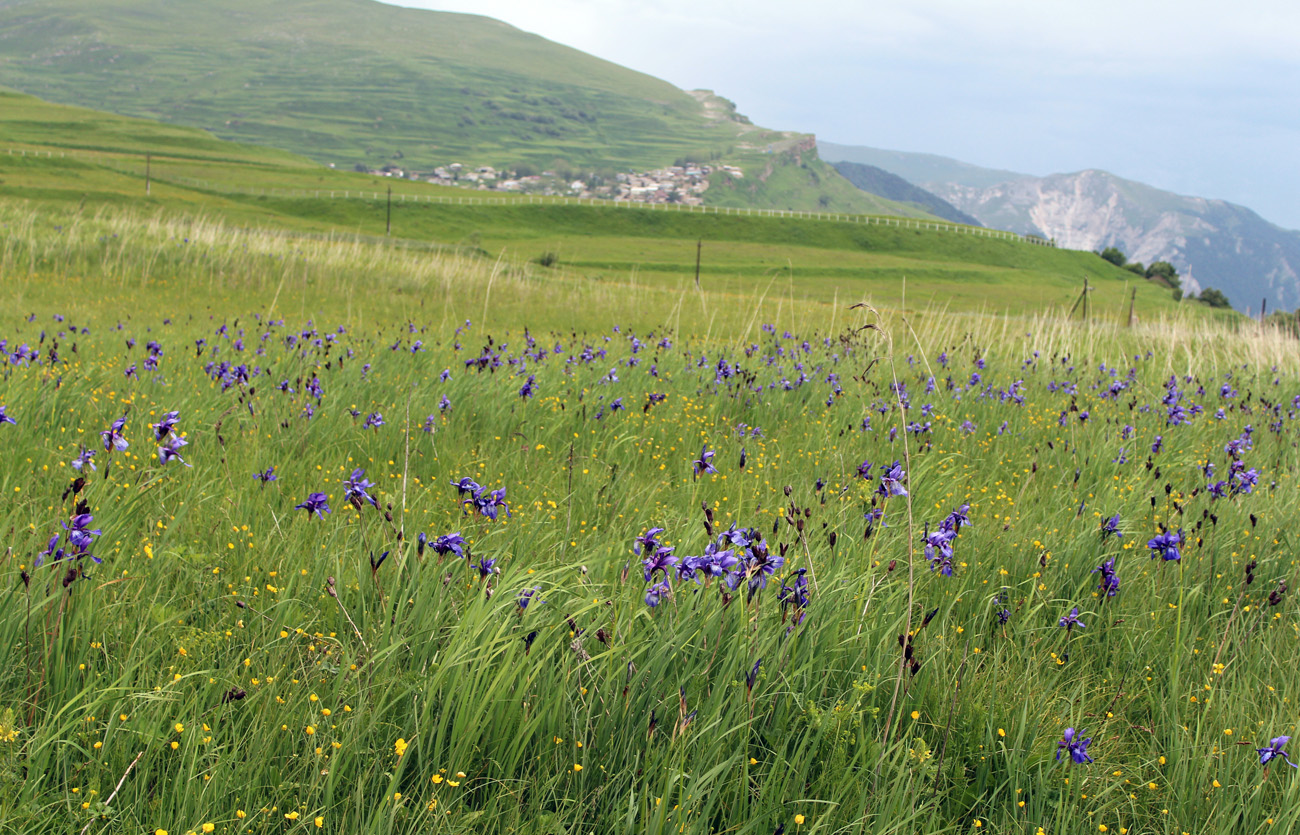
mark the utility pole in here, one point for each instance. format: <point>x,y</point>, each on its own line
<point>388,223</point>
<point>698,246</point>
<point>148,160</point>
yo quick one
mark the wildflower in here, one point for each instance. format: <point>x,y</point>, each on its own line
<point>1072,620</point>
<point>1166,545</point>
<point>400,747</point>
<point>752,676</point>
<point>891,482</point>
<point>451,543</point>
<point>112,436</point>
<point>374,420</point>
<point>1274,749</point>
<point>355,487</point>
<point>577,767</point>
<point>526,597</point>
<point>83,459</point>
<point>704,464</point>
<point>316,503</point>
<point>79,534</point>
<point>171,449</point>
<point>486,567</point>
<point>798,820</point>
<point>164,427</point>
<point>267,476</point>
<point>4,418</point>
<point>1109,579</point>
<point>1076,747</point>
<point>320,821</point>
<point>656,593</point>
<point>1111,528</point>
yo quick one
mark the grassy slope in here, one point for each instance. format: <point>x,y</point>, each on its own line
<point>816,260</point>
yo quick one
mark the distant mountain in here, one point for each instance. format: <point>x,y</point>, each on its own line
<point>880,182</point>
<point>1212,243</point>
<point>358,82</point>
<point>917,168</point>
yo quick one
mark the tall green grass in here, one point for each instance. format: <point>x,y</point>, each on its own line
<point>237,663</point>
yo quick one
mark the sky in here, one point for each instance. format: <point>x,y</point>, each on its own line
<point>1199,98</point>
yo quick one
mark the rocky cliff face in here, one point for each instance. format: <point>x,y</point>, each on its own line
<point>1212,243</point>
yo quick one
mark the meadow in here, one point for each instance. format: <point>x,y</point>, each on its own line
<point>307,532</point>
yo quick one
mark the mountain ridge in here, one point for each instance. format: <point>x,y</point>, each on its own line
<point>1212,243</point>
<point>364,83</point>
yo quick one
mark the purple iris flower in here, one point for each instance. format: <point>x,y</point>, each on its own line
<point>704,464</point>
<point>374,420</point>
<point>1155,446</point>
<point>1244,481</point>
<point>112,436</point>
<point>1274,750</point>
<point>466,487</point>
<point>656,593</point>
<point>50,551</point>
<point>265,477</point>
<point>488,505</point>
<point>647,541</point>
<point>1111,527</point>
<point>80,536</point>
<point>938,550</point>
<point>83,460</point>
<point>1109,578</point>
<point>172,449</point>
<point>450,543</point>
<point>864,469</point>
<point>891,482</point>
<point>4,418</point>
<point>1072,620</point>
<point>163,427</point>
<point>1073,744</point>
<point>316,503</point>
<point>797,593</point>
<point>486,568</point>
<point>1166,545</point>
<point>526,597</point>
<point>355,487</point>
<point>660,561</point>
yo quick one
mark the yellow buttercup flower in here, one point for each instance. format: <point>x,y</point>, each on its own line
<point>400,747</point>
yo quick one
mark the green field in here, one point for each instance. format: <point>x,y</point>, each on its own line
<point>812,643</point>
<point>741,255</point>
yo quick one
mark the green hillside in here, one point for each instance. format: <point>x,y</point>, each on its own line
<point>70,161</point>
<point>357,82</point>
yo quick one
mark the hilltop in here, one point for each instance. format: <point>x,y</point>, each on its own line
<point>361,83</point>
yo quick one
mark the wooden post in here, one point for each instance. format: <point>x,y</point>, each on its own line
<point>388,223</point>
<point>1131,300</point>
<point>698,246</point>
<point>1263,308</point>
<point>147,163</point>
